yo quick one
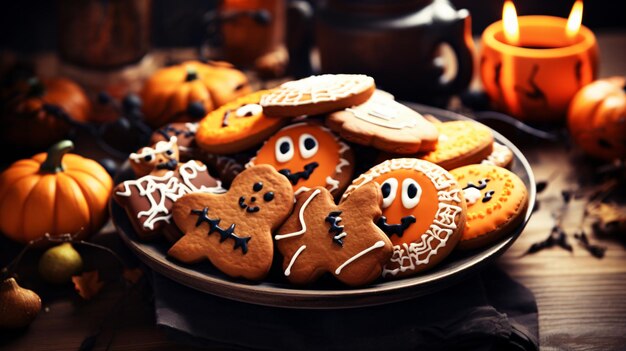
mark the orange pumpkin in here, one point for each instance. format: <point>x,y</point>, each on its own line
<point>597,118</point>
<point>170,94</point>
<point>26,123</point>
<point>53,192</point>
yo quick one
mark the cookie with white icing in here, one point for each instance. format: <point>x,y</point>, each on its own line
<point>309,155</point>
<point>385,124</point>
<point>496,199</point>
<point>148,200</point>
<point>321,237</point>
<point>423,212</point>
<point>501,156</point>
<point>233,230</point>
<point>318,95</point>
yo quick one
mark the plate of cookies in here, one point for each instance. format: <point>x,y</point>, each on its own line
<point>322,193</point>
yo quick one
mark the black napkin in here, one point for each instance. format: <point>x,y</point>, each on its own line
<point>489,311</point>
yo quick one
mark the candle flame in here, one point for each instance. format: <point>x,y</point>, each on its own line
<point>575,19</point>
<point>511,27</point>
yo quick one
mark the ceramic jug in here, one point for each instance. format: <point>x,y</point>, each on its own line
<point>397,42</point>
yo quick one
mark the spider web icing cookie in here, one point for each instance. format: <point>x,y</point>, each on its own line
<point>423,212</point>
<point>318,94</point>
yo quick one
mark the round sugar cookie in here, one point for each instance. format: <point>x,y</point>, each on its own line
<point>385,124</point>
<point>309,155</point>
<point>501,156</point>
<point>496,203</point>
<point>423,212</point>
<point>318,94</point>
<point>236,126</point>
<point>460,143</point>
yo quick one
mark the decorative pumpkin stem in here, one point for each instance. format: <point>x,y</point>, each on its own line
<point>53,163</point>
<point>192,74</point>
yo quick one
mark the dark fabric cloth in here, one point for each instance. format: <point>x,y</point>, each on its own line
<point>487,312</point>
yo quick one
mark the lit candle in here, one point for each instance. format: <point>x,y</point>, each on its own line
<point>531,66</point>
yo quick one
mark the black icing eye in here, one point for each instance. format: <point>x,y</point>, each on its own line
<point>269,196</point>
<point>309,143</point>
<point>284,147</point>
<point>169,152</point>
<point>411,191</point>
<point>147,158</point>
<point>386,189</point>
<point>257,186</point>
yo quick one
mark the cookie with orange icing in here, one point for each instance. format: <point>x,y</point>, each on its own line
<point>385,124</point>
<point>236,126</point>
<point>423,212</point>
<point>460,143</point>
<point>318,95</point>
<point>496,199</point>
<point>309,155</point>
<point>320,237</point>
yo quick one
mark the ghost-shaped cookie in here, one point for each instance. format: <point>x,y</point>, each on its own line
<point>343,240</point>
<point>309,155</point>
<point>233,230</point>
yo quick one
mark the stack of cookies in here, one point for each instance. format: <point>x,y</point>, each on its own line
<point>333,176</point>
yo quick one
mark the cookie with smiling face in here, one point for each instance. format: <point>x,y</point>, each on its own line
<point>309,155</point>
<point>318,94</point>
<point>423,212</point>
<point>385,124</point>
<point>343,240</point>
<point>496,200</point>
<point>156,159</point>
<point>236,126</point>
<point>234,230</point>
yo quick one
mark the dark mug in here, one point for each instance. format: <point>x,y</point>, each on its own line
<point>397,42</point>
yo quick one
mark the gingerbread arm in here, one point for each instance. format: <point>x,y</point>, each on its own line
<point>368,193</point>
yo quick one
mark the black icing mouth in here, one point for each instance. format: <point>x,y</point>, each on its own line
<point>169,165</point>
<point>295,177</point>
<point>248,208</point>
<point>397,229</point>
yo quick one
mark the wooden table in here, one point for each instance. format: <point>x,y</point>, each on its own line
<point>581,299</point>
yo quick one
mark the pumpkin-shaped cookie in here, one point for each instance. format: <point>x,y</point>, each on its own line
<point>309,155</point>
<point>171,92</point>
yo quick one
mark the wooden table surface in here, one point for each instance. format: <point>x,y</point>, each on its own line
<point>581,299</point>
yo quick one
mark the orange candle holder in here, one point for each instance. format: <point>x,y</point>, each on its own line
<point>536,78</point>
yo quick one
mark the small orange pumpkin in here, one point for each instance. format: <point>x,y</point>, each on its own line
<point>170,94</point>
<point>597,118</point>
<point>53,192</point>
<point>26,123</point>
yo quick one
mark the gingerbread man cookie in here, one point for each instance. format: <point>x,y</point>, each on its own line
<point>496,200</point>
<point>318,94</point>
<point>234,230</point>
<point>460,143</point>
<point>309,155</point>
<point>237,125</point>
<point>423,212</point>
<point>343,240</point>
<point>385,124</point>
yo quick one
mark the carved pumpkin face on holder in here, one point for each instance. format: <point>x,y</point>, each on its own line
<point>309,155</point>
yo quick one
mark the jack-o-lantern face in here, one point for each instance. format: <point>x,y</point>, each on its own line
<point>407,196</point>
<point>308,155</point>
<point>163,157</point>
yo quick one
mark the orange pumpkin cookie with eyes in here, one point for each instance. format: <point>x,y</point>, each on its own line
<point>460,143</point>
<point>343,240</point>
<point>385,124</point>
<point>236,126</point>
<point>496,201</point>
<point>316,95</point>
<point>309,155</point>
<point>423,212</point>
<point>234,230</point>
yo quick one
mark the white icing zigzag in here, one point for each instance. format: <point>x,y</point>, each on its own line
<point>166,187</point>
<point>159,148</point>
